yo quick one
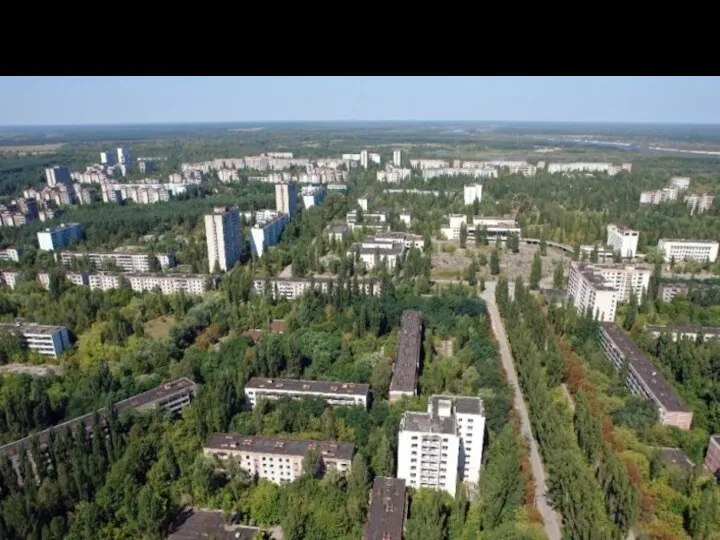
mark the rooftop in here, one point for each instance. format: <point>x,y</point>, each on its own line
<point>706,330</point>
<point>428,423</point>
<point>661,389</point>
<point>386,515</point>
<point>211,525</point>
<point>688,240</point>
<point>169,389</point>
<point>340,228</point>
<point>675,456</point>
<point>407,357</point>
<point>273,445</point>
<point>596,280</point>
<point>310,387</point>
<point>30,328</point>
<point>462,404</point>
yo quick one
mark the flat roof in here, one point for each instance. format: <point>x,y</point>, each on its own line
<point>674,456</point>
<point>30,328</point>
<point>104,253</point>
<point>706,330</point>
<point>211,525</point>
<point>339,228</point>
<point>169,389</point>
<point>688,240</point>
<point>596,280</point>
<point>307,386</point>
<point>462,404</point>
<point>663,391</point>
<point>386,515</point>
<point>275,445</point>
<point>428,423</point>
<point>165,276</point>
<point>318,279</point>
<point>60,227</point>
<point>407,357</point>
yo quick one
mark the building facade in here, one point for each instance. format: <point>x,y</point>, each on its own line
<point>688,250</point>
<point>335,393</point>
<point>472,193</point>
<point>712,457</point>
<point>624,241</point>
<point>46,340</point>
<point>286,198</point>
<point>265,234</point>
<point>224,240</point>
<point>59,237</point>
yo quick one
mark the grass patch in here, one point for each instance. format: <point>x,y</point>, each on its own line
<point>159,327</point>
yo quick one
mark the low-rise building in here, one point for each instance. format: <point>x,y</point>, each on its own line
<point>643,378</point>
<point>59,237</point>
<point>105,281</point>
<point>492,226</point>
<point>684,332</point>
<point>680,182</point>
<point>335,393</point>
<point>488,172</point>
<point>588,167</point>
<point>10,277</point>
<point>127,261</point>
<point>291,288</point>
<point>688,250</point>
<point>699,203</point>
<point>407,357</point>
<point>388,510</point>
<point>169,284</point>
<point>712,457</point>
<point>339,232</point>
<point>277,460</point>
<point>373,254</point>
<point>659,196</point>
<point>623,241</point>
<point>44,339</point>
<point>76,278</point>
<point>10,254</point>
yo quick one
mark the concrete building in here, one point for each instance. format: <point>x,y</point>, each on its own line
<point>688,250</point>
<point>488,172</point>
<point>195,284</point>
<point>699,203</point>
<point>59,237</point>
<point>286,198</point>
<point>684,332</point>
<point>424,164</point>
<point>58,175</point>
<point>388,509</point>
<point>44,339</point>
<point>335,393</point>
<point>472,193</point>
<point>393,174</point>
<point>339,232</point>
<point>643,378</point>
<point>10,277</point>
<point>624,241</point>
<point>680,182</point>
<point>493,227</point>
<point>397,158</point>
<point>146,167</point>
<point>624,278</point>
<point>312,195</point>
<point>105,281</point>
<point>10,254</point>
<point>79,279</point>
<point>172,396</point>
<point>668,291</point>
<point>224,240</point>
<point>108,158</point>
<point>405,217</point>
<point>126,261</point>
<point>211,525</point>
<point>364,159</point>
<point>294,287</point>
<point>266,233</point>
<point>590,291</point>
<point>373,254</point>
<point>124,157</point>
<point>442,446</point>
<point>407,357</point>
<point>712,457</point>
<point>588,167</point>
<point>659,196</point>
<point>277,460</point>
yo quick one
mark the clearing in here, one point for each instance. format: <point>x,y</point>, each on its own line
<point>159,327</point>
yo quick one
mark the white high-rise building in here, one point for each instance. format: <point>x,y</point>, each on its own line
<point>364,159</point>
<point>123,156</point>
<point>58,175</point>
<point>590,291</point>
<point>623,240</point>
<point>688,250</point>
<point>286,198</point>
<point>443,445</point>
<point>107,158</point>
<point>397,158</point>
<point>224,240</point>
<point>473,192</point>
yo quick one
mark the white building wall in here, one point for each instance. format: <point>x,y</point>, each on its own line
<point>428,460</point>
<point>688,250</point>
<point>473,192</point>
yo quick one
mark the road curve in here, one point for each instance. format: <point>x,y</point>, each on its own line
<point>550,517</point>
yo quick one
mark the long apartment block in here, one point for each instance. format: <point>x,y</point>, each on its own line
<point>172,396</point>
<point>445,444</point>
<point>44,339</point>
<point>688,250</point>
<point>195,284</point>
<point>335,393</point>
<point>643,378</point>
<point>388,510</point>
<point>294,287</point>
<point>407,358</point>
<point>128,262</point>
<point>277,460</point>
<point>684,332</point>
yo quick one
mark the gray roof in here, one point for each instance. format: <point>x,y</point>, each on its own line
<point>407,357</point>
<point>317,279</point>
<point>461,404</point>
<point>644,369</point>
<point>386,515</point>
<point>167,390</point>
<point>596,280</point>
<point>340,228</point>
<point>273,445</point>
<point>30,328</point>
<point>675,456</point>
<point>210,524</point>
<point>309,387</point>
<point>428,423</point>
<point>706,330</point>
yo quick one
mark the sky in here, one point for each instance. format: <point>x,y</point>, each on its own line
<point>140,100</point>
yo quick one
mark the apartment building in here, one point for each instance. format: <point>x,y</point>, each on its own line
<point>407,357</point>
<point>712,457</point>
<point>224,240</point>
<point>265,234</point>
<point>433,192</point>
<point>668,291</point>
<point>124,157</point>
<point>57,175</point>
<point>291,288</point>
<point>172,396</point>
<point>277,460</point>
<point>397,158</point>
<point>643,378</point>
<point>493,227</point>
<point>76,278</point>
<point>680,182</point>
<point>105,281</point>
<point>659,196</point>
<point>373,221</point>
<point>588,167</point>
<point>445,444</point>
<point>688,250</point>
<point>126,261</point>
<point>684,332</point>
<point>472,193</point>
<point>488,172</point>
<point>228,175</point>
<point>195,284</point>
<point>624,241</point>
<point>10,254</point>
<point>44,339</point>
<point>393,174</point>
<point>407,239</point>
<point>9,277</point>
<point>373,254</point>
<point>699,203</point>
<point>424,164</point>
<point>335,393</point>
<point>286,198</point>
<point>312,195</point>
<point>339,232</point>
<point>388,509</point>
<point>590,291</point>
<point>59,237</point>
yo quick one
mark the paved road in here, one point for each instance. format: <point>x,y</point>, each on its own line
<point>550,517</point>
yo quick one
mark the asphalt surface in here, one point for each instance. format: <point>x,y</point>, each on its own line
<point>550,517</point>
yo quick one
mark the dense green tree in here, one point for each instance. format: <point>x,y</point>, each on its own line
<point>535,271</point>
<point>495,262</point>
